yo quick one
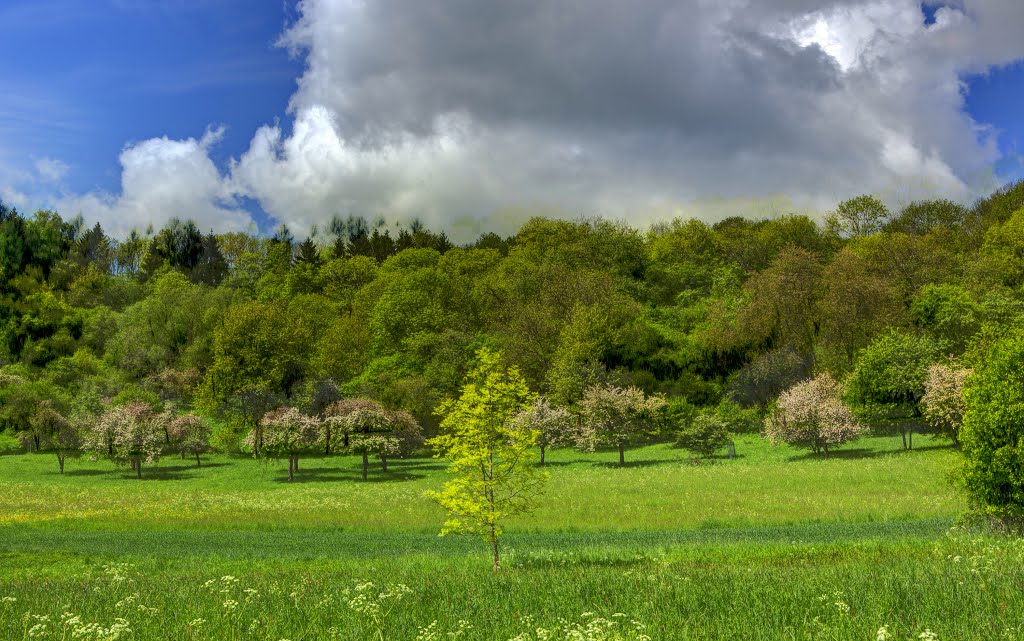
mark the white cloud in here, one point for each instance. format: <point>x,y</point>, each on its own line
<point>51,170</point>
<point>163,179</point>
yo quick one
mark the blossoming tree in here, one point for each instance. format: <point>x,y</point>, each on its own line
<point>812,414</point>
<point>51,430</point>
<point>554,425</point>
<point>127,434</point>
<point>617,417</point>
<point>190,434</point>
<point>943,403</point>
<point>284,432</point>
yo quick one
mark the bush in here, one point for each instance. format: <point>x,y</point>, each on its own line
<point>992,435</point>
<point>8,443</point>
<point>706,434</point>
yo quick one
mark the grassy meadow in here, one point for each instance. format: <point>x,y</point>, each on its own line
<point>774,544</point>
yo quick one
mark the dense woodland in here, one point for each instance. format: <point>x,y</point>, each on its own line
<point>716,320</point>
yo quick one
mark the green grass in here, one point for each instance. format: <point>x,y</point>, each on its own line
<point>660,488</point>
<point>760,547</point>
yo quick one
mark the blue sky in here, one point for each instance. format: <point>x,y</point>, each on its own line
<point>86,80</point>
<point>83,78</point>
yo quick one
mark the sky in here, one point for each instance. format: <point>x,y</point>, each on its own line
<point>472,116</point>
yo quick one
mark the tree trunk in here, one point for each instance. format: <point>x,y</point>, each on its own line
<point>327,446</point>
<point>366,464</point>
<point>384,462</point>
<point>825,447</point>
<point>35,439</point>
<point>291,467</point>
<point>622,454</point>
<point>138,468</point>
<point>494,549</point>
<point>911,440</point>
<point>60,461</point>
<point>542,448</point>
<point>903,433</point>
<point>198,463</point>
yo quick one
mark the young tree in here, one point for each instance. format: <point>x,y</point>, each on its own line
<point>554,425</point>
<point>490,455</point>
<point>812,414</point>
<point>51,430</point>
<point>613,416</point>
<point>126,434</point>
<point>943,404</point>
<point>283,432</point>
<point>190,434</point>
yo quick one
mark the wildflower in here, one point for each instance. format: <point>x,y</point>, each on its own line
<point>230,605</point>
<point>928,635</point>
<point>883,633</point>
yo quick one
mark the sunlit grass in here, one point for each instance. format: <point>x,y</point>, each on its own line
<point>660,488</point>
<point>772,545</point>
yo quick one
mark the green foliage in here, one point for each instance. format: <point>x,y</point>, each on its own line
<point>858,216</point>
<point>490,455</point>
<point>992,435</point>
<point>888,381</point>
<point>705,435</point>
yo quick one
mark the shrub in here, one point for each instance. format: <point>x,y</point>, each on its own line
<point>706,434</point>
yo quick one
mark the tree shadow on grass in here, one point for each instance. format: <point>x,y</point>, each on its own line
<point>842,454</point>
<point>557,463</point>
<point>68,472</point>
<point>926,448</point>
<point>348,474</point>
<point>644,463</point>
<point>169,472</point>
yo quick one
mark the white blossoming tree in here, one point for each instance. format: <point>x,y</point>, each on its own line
<point>554,425</point>
<point>51,430</point>
<point>943,403</point>
<point>812,414</point>
<point>284,432</point>
<point>368,428</point>
<point>618,417</point>
<point>190,434</point>
<point>127,435</point>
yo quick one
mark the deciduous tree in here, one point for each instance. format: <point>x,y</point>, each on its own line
<point>554,425</point>
<point>284,432</point>
<point>612,416</point>
<point>190,434</point>
<point>127,435</point>
<point>492,475</point>
<point>812,414</point>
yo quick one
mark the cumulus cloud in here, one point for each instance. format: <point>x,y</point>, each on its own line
<point>455,108</point>
<point>163,179</point>
<point>458,111</point>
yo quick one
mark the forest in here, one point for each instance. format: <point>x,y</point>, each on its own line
<point>715,318</point>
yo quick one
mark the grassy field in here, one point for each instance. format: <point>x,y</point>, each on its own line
<point>772,545</point>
